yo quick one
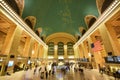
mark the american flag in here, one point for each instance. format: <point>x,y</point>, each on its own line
<point>97,46</point>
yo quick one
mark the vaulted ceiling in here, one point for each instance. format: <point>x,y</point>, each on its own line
<point>60,15</point>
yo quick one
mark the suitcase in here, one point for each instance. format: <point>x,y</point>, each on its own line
<point>42,75</point>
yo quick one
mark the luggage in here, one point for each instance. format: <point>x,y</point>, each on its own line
<point>42,75</point>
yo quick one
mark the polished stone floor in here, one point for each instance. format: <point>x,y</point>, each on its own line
<point>67,76</point>
<point>89,74</point>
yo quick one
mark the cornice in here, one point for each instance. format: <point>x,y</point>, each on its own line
<point>7,11</point>
<point>109,12</point>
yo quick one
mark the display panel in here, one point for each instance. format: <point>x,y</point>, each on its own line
<point>10,63</point>
<point>118,59</point>
<point>84,59</point>
<point>110,59</point>
<point>115,59</point>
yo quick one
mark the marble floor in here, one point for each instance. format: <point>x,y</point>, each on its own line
<point>67,76</point>
<point>89,74</point>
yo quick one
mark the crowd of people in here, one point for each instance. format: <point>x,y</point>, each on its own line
<point>39,72</point>
<point>44,71</point>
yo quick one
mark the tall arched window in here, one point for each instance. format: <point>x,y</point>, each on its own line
<point>50,48</point>
<point>70,50</point>
<point>60,48</point>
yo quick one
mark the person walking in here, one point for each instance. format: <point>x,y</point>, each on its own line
<point>46,72</point>
<point>81,70</point>
<point>42,71</point>
<point>36,73</point>
<point>49,69</point>
<point>28,74</point>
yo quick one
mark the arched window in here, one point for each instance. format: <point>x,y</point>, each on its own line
<point>60,48</point>
<point>102,5</point>
<point>92,21</point>
<point>105,5</point>
<point>29,23</point>
<point>14,6</point>
<point>50,48</point>
<point>70,50</point>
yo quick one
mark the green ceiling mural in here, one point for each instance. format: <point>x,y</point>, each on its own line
<point>60,15</point>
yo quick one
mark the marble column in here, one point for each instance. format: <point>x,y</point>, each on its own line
<point>8,40</point>
<point>26,47</point>
<point>40,51</point>
<point>84,52</point>
<point>76,52</point>
<point>85,48</point>
<point>106,39</point>
<point>113,30</point>
<point>31,47</point>
<point>81,54</point>
<point>10,46</point>
<point>56,51</point>
<point>35,49</point>
<point>65,52</point>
